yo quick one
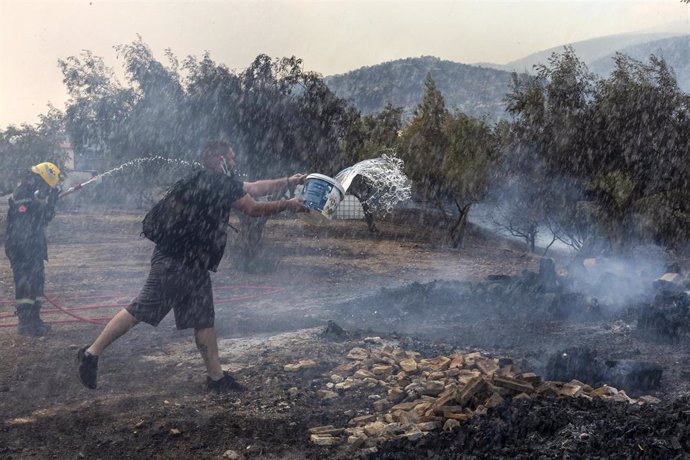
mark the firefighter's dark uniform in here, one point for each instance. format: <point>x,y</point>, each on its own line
<point>31,208</point>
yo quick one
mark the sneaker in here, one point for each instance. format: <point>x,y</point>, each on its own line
<point>226,384</point>
<point>88,368</point>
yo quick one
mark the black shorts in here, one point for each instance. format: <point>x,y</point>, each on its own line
<point>28,274</point>
<point>174,285</point>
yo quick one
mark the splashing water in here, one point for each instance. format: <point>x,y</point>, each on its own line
<point>385,183</point>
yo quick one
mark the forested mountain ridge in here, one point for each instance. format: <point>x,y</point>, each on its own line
<point>476,91</point>
<point>587,50</point>
<point>675,51</point>
<point>479,89</point>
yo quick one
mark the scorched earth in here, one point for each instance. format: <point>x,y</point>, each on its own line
<point>352,345</point>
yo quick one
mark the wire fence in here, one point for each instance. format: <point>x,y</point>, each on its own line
<point>349,208</point>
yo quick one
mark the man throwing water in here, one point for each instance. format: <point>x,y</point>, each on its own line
<point>189,228</point>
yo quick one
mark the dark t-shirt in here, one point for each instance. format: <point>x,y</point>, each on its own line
<point>196,212</point>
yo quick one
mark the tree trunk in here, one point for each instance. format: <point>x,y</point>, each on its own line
<point>250,242</point>
<point>251,256</point>
<point>532,240</point>
<point>362,191</point>
<point>368,216</point>
<point>457,231</point>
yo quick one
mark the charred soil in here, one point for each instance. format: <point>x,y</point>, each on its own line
<point>402,287</point>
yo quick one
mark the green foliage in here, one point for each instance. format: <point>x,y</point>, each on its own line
<point>619,141</point>
<point>474,90</point>
<point>368,136</point>
<point>424,145</point>
<point>449,157</point>
<point>24,146</point>
<point>279,118</point>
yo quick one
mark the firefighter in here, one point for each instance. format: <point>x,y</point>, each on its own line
<point>31,208</point>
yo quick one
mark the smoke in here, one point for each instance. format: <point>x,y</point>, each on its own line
<point>620,281</point>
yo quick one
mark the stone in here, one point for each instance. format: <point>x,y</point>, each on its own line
<point>326,394</point>
<point>300,365</point>
<point>408,365</point>
<point>548,389</point>
<point>324,440</point>
<point>381,405</point>
<point>232,455</point>
<point>345,385</point>
<point>439,363</point>
<point>603,391</point>
<point>456,361</point>
<point>571,390</point>
<point>471,358</point>
<point>487,366</point>
<point>413,435</point>
<point>358,353</point>
<point>671,278</point>
<point>475,386</point>
<point>433,387</point>
<point>395,395</point>
<point>345,369</point>
<point>326,429</point>
<point>466,375</point>
<point>374,340</point>
<point>428,426</point>
<point>438,375</point>
<point>648,399</point>
<point>363,374</point>
<point>362,420</point>
<point>459,416</point>
<point>409,405</point>
<point>530,377</point>
<point>374,429</point>
<point>513,384</point>
<point>293,391</point>
<point>356,441</point>
<point>494,400</point>
<point>451,425</point>
<point>382,370</point>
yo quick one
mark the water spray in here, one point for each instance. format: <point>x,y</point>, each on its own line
<point>135,162</point>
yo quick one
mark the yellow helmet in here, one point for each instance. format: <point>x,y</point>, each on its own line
<point>48,172</point>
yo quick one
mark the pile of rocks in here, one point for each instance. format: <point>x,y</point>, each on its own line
<point>413,396</point>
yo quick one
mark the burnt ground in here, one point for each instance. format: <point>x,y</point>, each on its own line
<point>403,285</point>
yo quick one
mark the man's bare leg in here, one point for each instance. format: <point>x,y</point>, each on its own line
<point>122,322</point>
<point>207,343</point>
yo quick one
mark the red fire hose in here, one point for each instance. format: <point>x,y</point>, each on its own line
<point>100,320</point>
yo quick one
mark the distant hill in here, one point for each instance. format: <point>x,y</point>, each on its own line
<point>480,90</point>
<point>587,50</point>
<point>476,91</point>
<point>674,50</point>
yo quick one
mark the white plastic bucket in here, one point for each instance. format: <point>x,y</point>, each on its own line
<point>321,195</point>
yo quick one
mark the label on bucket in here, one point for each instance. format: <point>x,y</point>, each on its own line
<point>321,196</point>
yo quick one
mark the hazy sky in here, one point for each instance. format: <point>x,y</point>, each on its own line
<point>331,36</point>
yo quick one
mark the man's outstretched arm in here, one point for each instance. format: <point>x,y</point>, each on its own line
<point>269,186</point>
